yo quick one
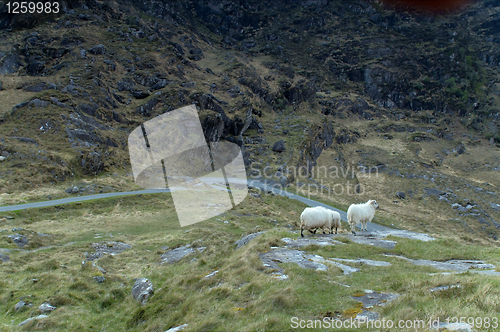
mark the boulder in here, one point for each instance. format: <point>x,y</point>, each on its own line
<point>401,194</point>
<point>19,240</point>
<point>35,67</point>
<point>46,307</point>
<point>139,94</point>
<point>279,146</point>
<point>147,108</point>
<point>19,305</point>
<point>89,109</point>
<point>434,192</point>
<point>124,86</point>
<point>247,238</point>
<point>38,103</point>
<point>142,290</point>
<point>99,279</point>
<point>98,50</point>
<point>10,64</point>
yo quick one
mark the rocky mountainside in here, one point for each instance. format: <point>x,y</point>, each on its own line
<point>308,83</point>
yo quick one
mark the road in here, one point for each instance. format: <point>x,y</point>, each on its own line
<point>255,183</point>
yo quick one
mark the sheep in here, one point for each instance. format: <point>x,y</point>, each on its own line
<point>334,221</point>
<point>362,213</point>
<point>318,217</point>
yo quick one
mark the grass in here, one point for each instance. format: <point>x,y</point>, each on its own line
<point>241,296</point>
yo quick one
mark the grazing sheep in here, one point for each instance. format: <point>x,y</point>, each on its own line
<point>362,213</point>
<point>318,217</point>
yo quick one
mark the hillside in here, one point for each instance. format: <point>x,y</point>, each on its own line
<point>339,101</point>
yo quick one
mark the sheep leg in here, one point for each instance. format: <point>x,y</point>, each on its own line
<point>335,230</point>
<point>301,232</point>
<point>314,232</point>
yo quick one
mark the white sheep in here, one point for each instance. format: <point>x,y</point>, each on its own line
<point>361,213</point>
<point>318,217</point>
<point>334,221</point>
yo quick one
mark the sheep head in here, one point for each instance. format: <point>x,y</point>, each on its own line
<point>374,203</point>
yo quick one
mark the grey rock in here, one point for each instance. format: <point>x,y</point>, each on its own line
<point>372,241</point>
<point>10,64</point>
<point>403,234</point>
<point>495,206</point>
<point>124,86</point>
<point>279,146</point>
<point>189,85</point>
<point>434,192</point>
<point>306,241</point>
<point>19,240</point>
<point>401,194</point>
<point>46,307</point>
<point>177,254</point>
<point>138,34</point>
<point>38,103</point>
<point>4,258</point>
<point>272,257</point>
<point>35,67</point>
<point>366,315</point>
<point>142,290</point>
<point>112,65</point>
<point>443,288</point>
<point>98,49</point>
<point>32,318</point>
<point>177,328</point>
<point>20,105</point>
<point>210,275</point>
<point>460,149</point>
<point>89,109</point>
<point>368,262</point>
<point>139,94</point>
<point>160,84</point>
<point>19,305</point>
<point>147,108</point>
<point>99,279</point>
<point>35,88</point>
<point>108,247</point>
<point>451,265</point>
<point>372,299</point>
<point>2,158</point>
<point>247,238</point>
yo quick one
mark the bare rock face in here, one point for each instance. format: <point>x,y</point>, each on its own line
<point>142,290</point>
